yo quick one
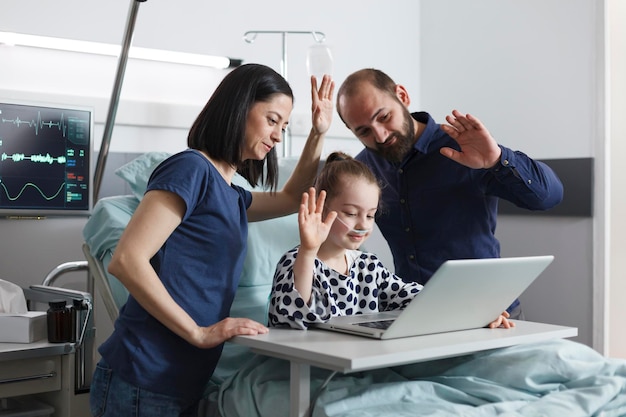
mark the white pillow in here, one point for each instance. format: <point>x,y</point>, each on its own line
<point>137,172</point>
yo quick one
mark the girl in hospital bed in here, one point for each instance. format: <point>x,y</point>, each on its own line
<point>327,275</point>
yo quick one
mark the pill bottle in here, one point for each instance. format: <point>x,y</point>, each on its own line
<point>59,322</point>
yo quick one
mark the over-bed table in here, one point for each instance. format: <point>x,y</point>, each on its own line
<point>346,353</point>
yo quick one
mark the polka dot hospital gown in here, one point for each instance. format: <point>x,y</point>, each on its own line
<point>368,287</point>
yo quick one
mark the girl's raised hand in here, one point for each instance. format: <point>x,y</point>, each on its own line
<point>313,228</point>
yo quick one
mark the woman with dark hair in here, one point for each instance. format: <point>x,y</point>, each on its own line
<point>181,254</point>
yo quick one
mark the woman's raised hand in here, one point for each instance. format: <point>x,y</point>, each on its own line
<point>322,103</point>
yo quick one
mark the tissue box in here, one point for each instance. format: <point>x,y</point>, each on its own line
<point>23,328</point>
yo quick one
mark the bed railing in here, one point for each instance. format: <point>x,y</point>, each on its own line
<point>84,345</point>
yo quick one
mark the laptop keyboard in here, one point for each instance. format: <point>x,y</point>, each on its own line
<point>378,324</point>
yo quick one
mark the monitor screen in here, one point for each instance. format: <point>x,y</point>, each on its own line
<point>45,159</point>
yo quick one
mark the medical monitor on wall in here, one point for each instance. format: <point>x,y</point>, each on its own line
<point>45,159</point>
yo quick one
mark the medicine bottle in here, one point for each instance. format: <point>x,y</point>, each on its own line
<point>60,327</point>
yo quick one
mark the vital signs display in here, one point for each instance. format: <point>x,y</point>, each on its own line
<point>45,159</point>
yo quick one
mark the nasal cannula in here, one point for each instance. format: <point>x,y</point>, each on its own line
<point>353,230</point>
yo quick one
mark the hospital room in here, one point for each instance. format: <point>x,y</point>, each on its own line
<point>545,77</point>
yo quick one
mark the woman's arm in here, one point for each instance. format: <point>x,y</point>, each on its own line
<point>267,205</point>
<point>156,217</point>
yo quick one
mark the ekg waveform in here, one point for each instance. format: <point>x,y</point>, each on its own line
<point>46,159</point>
<point>30,184</point>
<point>39,123</point>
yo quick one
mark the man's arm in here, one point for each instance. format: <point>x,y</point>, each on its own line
<point>525,182</point>
<point>519,179</point>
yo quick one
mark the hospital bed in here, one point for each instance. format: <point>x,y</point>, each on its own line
<point>556,378</point>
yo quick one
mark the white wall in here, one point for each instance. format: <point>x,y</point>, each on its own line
<point>526,69</point>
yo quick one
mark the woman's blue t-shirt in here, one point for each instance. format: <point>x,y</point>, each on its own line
<point>200,265</point>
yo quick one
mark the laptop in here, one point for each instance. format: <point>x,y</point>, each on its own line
<point>461,295</point>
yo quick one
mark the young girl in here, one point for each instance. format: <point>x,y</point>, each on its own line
<point>327,275</point>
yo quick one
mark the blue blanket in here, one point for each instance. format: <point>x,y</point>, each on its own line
<point>558,378</point>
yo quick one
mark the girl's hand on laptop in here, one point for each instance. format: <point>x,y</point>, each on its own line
<point>502,321</point>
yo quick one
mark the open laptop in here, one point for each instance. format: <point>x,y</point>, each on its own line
<point>461,295</point>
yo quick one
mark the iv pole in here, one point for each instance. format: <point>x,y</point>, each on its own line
<point>250,37</point>
<point>115,97</point>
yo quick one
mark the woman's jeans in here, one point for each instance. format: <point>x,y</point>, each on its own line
<point>111,396</point>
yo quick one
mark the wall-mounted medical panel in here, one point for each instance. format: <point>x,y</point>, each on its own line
<point>576,174</point>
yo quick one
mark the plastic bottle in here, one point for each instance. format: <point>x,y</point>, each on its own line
<point>78,316</point>
<point>60,327</point>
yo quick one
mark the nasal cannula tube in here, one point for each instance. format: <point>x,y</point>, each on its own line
<point>353,230</point>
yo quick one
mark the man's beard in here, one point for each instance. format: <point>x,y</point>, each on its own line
<point>404,141</point>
